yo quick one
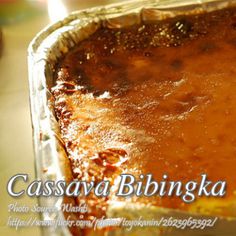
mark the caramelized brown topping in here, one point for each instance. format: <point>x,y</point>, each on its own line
<point>153,98</point>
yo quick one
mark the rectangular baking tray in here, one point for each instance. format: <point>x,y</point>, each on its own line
<point>51,161</point>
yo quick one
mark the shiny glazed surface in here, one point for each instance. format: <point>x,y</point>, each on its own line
<point>153,98</point>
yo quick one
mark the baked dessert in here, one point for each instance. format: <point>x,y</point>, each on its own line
<point>153,98</point>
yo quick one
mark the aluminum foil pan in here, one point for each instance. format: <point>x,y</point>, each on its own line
<point>43,54</point>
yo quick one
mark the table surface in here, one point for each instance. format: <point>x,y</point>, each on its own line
<point>20,23</point>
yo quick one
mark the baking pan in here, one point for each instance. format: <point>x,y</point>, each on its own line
<point>51,160</point>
